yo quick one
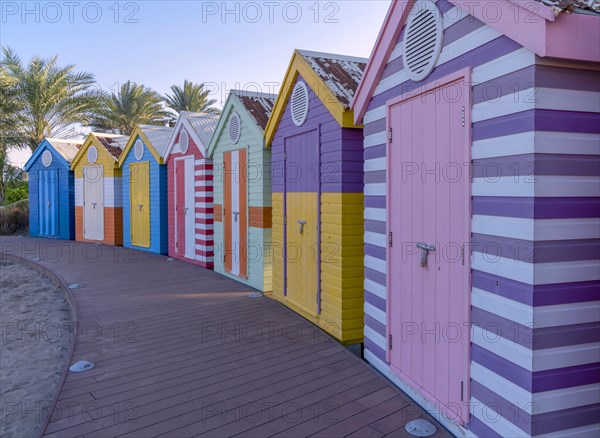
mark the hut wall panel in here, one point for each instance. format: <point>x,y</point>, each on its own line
<point>158,203</point>
<point>548,141</point>
<point>341,203</point>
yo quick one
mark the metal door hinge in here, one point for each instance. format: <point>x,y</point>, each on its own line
<point>390,239</point>
<point>390,135</point>
<point>462,255</point>
<point>463,116</point>
<point>462,390</point>
<point>390,342</point>
<point>285,155</point>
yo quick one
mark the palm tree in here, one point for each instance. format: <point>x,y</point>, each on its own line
<point>53,97</point>
<point>130,106</point>
<point>192,97</point>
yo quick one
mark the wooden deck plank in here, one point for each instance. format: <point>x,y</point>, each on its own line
<point>194,367</point>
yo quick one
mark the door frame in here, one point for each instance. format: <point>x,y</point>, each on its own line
<point>185,184</point>
<point>464,75</point>
<point>102,229</point>
<point>319,219</point>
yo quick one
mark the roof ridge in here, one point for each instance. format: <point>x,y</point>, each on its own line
<point>333,56</point>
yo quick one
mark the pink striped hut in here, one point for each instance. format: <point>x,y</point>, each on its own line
<point>482,194</point>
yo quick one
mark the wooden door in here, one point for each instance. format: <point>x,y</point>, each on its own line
<point>429,203</point>
<point>48,207</point>
<point>93,203</point>
<point>302,221</point>
<point>139,209</point>
<point>185,219</point>
<point>235,212</point>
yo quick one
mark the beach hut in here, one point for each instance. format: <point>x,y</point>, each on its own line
<point>190,185</point>
<point>98,190</point>
<point>52,189</point>
<point>481,147</point>
<point>242,190</point>
<point>317,183</point>
<point>145,225</point>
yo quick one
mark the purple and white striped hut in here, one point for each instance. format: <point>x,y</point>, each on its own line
<point>482,195</point>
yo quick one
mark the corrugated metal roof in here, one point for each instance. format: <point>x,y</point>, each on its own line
<point>203,123</point>
<point>581,6</point>
<point>68,148</point>
<point>113,143</point>
<point>341,74</point>
<point>159,136</point>
<point>258,105</point>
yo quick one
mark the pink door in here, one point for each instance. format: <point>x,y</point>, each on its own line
<point>429,207</point>
<point>180,212</point>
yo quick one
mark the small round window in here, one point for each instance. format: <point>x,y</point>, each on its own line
<point>138,149</point>
<point>299,104</point>
<point>423,40</point>
<point>92,154</point>
<point>234,128</point>
<point>46,158</point>
<point>184,141</point>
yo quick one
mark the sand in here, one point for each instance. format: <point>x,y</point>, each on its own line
<point>36,334</point>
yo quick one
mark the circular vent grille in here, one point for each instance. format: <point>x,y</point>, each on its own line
<point>138,149</point>
<point>47,158</point>
<point>299,104</point>
<point>184,141</point>
<point>234,128</point>
<point>423,40</point>
<point>92,154</point>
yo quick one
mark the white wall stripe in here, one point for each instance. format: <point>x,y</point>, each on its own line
<point>375,214</point>
<point>539,186</point>
<point>537,317</point>
<point>375,139</point>
<point>375,313</point>
<point>376,264</point>
<point>489,415</point>
<point>376,289</point>
<point>375,164</point>
<point>541,142</point>
<point>536,98</point>
<point>538,229</point>
<point>517,60</point>
<point>535,274</point>
<point>375,189</point>
<point>375,337</point>
<point>376,239</point>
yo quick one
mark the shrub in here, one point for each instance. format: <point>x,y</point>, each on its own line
<point>14,194</point>
<point>14,217</point>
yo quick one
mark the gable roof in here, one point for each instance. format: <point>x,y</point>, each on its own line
<point>256,106</point>
<point>156,139</point>
<point>65,148</point>
<point>112,143</point>
<point>199,125</point>
<point>328,75</point>
<point>551,33</point>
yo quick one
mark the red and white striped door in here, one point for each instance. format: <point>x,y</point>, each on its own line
<point>185,219</point>
<point>235,212</point>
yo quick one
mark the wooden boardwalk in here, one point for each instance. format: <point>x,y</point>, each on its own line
<point>181,351</point>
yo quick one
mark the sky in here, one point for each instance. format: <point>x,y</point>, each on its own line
<point>225,44</point>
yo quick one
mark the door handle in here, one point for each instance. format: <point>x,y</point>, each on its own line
<point>140,206</point>
<point>49,202</point>
<point>185,209</point>
<point>425,249</point>
<point>236,214</point>
<point>301,223</point>
<point>94,205</point>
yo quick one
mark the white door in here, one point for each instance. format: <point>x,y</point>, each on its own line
<point>93,203</point>
<point>190,208</point>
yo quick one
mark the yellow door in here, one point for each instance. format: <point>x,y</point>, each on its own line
<point>302,251</point>
<point>139,191</point>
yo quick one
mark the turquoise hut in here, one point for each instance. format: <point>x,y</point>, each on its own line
<point>52,189</point>
<point>145,221</point>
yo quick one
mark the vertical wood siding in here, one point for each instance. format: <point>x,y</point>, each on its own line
<point>535,209</point>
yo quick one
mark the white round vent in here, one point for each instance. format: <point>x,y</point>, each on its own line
<point>299,103</point>
<point>92,154</point>
<point>138,149</point>
<point>46,158</point>
<point>184,141</point>
<point>234,128</point>
<point>422,40</point>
